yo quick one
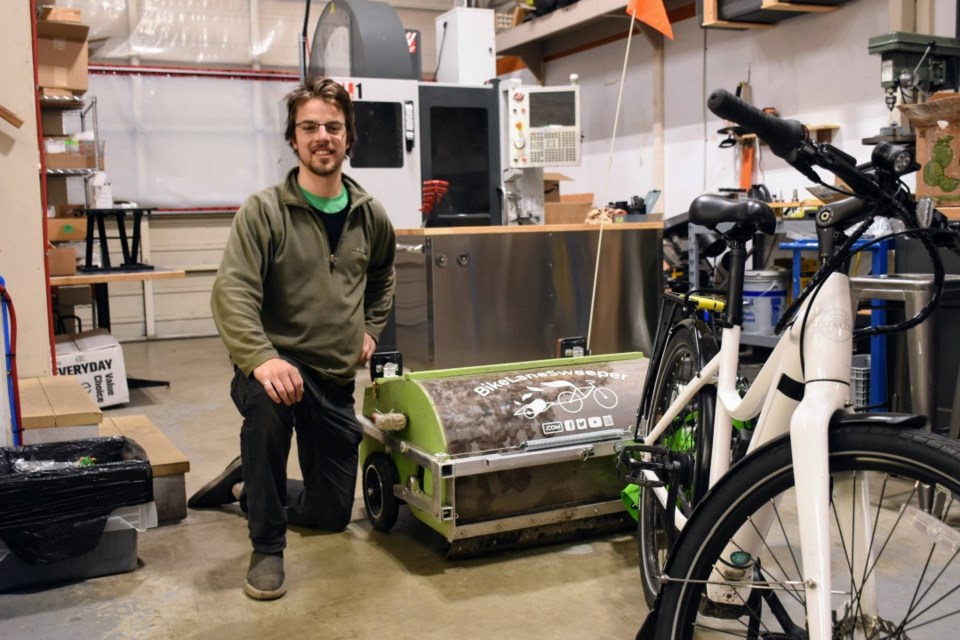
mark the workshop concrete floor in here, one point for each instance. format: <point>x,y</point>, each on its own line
<point>357,584</point>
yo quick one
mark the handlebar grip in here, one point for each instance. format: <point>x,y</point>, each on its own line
<point>782,136</point>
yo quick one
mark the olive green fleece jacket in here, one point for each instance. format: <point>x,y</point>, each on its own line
<point>281,291</point>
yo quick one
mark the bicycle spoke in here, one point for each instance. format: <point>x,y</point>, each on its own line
<point>938,600</point>
<point>793,556</point>
<point>916,585</point>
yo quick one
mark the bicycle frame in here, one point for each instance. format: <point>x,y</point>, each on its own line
<point>803,383</point>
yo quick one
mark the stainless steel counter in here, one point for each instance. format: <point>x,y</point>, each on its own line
<point>483,295</point>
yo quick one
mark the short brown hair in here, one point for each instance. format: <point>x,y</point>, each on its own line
<point>331,92</point>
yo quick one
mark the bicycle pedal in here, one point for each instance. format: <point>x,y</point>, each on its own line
<point>663,462</point>
<point>644,482</point>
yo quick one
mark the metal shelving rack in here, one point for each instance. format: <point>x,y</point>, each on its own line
<point>87,107</point>
<point>693,253</point>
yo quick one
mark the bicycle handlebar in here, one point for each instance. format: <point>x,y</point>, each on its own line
<point>790,140</point>
<point>875,189</point>
<point>782,136</point>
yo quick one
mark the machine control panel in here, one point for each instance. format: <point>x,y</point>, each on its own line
<point>543,126</point>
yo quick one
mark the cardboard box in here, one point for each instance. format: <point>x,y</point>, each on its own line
<point>937,125</point>
<point>68,210</point>
<point>100,191</point>
<point>96,359</point>
<point>551,186</point>
<point>62,261</point>
<point>565,212</point>
<point>62,56</point>
<point>66,229</point>
<point>60,14</point>
<point>65,152</point>
<point>577,197</point>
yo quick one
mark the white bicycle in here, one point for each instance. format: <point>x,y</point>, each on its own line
<point>773,512</point>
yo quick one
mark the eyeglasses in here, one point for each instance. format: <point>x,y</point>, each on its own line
<point>311,128</point>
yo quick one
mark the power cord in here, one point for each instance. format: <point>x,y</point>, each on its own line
<point>443,40</point>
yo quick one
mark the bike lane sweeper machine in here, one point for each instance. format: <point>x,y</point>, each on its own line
<point>502,456</point>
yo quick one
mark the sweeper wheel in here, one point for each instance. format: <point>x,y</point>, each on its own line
<point>379,477</point>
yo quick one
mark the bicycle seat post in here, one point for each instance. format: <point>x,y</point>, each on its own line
<point>738,262</point>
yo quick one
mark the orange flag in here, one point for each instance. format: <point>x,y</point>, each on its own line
<point>653,13</point>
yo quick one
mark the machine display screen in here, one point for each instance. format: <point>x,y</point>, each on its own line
<point>460,155</point>
<point>553,108</point>
<point>379,141</point>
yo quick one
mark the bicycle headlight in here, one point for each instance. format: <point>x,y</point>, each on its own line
<point>893,158</point>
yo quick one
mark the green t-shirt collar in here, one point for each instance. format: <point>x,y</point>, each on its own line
<point>326,205</point>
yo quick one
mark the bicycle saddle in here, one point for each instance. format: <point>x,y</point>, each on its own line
<point>710,210</point>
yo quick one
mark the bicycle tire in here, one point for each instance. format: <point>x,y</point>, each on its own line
<point>914,567</point>
<point>690,347</point>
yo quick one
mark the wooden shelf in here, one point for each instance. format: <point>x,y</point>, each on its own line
<point>776,10</point>
<point>800,204</point>
<point>796,7</point>
<point>822,132</point>
<point>819,132</point>
<point>528,40</point>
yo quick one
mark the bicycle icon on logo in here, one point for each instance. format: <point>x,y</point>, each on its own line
<point>572,399</point>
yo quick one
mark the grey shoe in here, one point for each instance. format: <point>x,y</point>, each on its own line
<point>265,579</point>
<point>218,491</point>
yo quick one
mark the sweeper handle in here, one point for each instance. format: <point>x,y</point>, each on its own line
<point>782,136</point>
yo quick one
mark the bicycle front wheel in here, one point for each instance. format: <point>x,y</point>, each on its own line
<point>911,561</point>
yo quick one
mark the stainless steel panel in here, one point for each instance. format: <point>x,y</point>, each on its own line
<point>411,309</point>
<point>508,297</point>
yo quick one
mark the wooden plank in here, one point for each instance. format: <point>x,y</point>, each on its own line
<point>35,409</point>
<point>777,5</point>
<point>72,406</point>
<point>711,18</point>
<point>56,401</point>
<point>92,277</point>
<point>165,458</point>
<point>109,430</point>
<point>10,117</point>
<point>735,26</point>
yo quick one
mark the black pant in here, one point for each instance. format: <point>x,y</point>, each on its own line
<point>327,439</point>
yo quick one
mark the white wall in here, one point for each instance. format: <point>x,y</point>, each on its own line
<point>814,68</point>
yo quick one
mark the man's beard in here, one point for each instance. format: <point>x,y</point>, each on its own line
<point>324,166</point>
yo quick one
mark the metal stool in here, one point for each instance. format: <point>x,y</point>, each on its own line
<point>914,290</point>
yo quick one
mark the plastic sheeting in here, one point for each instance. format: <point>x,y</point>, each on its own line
<point>187,141</point>
<point>198,32</point>
<point>47,516</point>
<point>180,142</point>
<point>221,32</point>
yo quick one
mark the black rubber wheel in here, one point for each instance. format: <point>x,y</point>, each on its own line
<point>689,436</point>
<point>379,477</point>
<point>913,482</point>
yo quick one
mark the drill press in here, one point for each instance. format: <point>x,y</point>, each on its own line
<point>912,67</point>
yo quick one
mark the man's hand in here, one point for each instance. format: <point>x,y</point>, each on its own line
<point>281,380</point>
<point>366,352</point>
